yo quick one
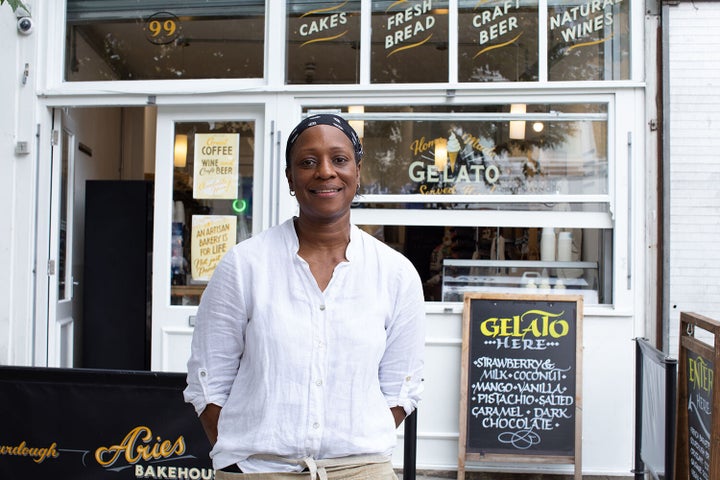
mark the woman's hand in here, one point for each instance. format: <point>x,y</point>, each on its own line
<point>209,420</point>
<point>398,415</point>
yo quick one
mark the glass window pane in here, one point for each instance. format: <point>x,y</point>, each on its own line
<point>157,40</point>
<point>409,41</point>
<point>489,150</point>
<point>323,42</point>
<point>498,41</point>
<point>453,260</point>
<point>63,271</point>
<point>588,40</point>
<point>212,200</point>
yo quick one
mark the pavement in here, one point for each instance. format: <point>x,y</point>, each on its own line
<point>444,475</point>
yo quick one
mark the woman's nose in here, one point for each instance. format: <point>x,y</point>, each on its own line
<point>326,168</point>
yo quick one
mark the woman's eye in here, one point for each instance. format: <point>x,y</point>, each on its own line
<point>307,162</point>
<point>341,160</point>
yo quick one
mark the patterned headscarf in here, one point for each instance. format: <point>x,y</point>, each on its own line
<point>325,119</point>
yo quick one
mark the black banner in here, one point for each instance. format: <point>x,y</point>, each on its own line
<point>95,424</point>
<point>521,377</point>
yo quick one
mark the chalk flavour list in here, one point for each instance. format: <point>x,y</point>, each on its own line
<point>521,376</point>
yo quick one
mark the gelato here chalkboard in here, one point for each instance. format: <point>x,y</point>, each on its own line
<point>520,385</point>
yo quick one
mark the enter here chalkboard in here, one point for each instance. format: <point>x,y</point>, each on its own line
<point>520,390</point>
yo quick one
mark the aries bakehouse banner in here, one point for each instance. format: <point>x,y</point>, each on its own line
<point>79,424</point>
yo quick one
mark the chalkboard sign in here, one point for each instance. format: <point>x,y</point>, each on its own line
<point>520,385</point>
<point>698,415</point>
<point>700,388</point>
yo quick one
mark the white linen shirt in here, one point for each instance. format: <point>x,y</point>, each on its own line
<point>302,372</point>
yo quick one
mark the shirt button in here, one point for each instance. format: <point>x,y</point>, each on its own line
<point>322,307</point>
<point>318,383</point>
<point>316,425</point>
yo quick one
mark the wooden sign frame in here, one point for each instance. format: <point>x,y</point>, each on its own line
<point>509,327</point>
<point>705,376</point>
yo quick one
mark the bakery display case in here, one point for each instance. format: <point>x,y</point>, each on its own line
<point>519,276</point>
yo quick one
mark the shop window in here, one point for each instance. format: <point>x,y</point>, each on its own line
<point>452,155</point>
<point>323,42</point>
<point>452,260</point>
<point>498,41</point>
<point>588,40</point>
<point>498,197</point>
<point>212,200</point>
<point>409,42</point>
<point>161,40</point>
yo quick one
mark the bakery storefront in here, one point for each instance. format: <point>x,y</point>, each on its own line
<point>504,152</point>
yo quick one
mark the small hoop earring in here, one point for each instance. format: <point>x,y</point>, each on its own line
<point>357,191</point>
<point>292,192</point>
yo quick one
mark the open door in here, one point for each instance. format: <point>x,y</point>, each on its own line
<point>205,186</point>
<point>60,324</point>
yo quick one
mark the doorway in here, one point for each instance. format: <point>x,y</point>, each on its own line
<point>113,144</point>
<point>116,165</point>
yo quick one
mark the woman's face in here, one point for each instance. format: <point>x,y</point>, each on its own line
<point>323,173</point>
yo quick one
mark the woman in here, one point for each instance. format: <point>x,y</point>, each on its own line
<point>307,350</point>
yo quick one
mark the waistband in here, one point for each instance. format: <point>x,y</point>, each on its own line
<point>317,469</point>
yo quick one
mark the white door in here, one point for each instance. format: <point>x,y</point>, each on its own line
<point>60,320</point>
<point>208,184</point>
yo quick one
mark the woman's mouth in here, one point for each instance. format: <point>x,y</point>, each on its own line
<point>325,190</point>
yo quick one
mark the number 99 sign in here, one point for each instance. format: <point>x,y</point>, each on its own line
<point>162,28</point>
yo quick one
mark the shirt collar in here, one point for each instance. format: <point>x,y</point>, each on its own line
<point>350,251</point>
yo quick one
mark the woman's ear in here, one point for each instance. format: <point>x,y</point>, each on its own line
<point>288,176</point>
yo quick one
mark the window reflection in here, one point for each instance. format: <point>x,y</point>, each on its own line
<point>556,150</point>
<point>323,42</point>
<point>119,40</point>
<point>588,40</point>
<point>498,41</point>
<point>452,260</point>
<point>409,42</point>
<point>212,200</point>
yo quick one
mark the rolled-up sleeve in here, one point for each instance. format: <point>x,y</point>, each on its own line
<point>401,368</point>
<point>218,340</point>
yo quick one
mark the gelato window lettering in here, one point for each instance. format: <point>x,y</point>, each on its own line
<point>452,176</point>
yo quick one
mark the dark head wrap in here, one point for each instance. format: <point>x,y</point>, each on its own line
<point>325,119</point>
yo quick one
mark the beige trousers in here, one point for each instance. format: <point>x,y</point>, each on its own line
<point>348,468</point>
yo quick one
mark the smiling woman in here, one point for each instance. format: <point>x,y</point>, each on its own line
<point>275,353</point>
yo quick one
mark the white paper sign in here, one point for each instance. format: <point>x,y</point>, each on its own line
<point>216,167</point>
<point>211,237</point>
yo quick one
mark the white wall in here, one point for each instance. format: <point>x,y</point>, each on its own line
<point>694,129</point>
<point>607,417</point>
<point>17,180</point>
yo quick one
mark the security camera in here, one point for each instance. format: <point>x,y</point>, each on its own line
<point>25,25</point>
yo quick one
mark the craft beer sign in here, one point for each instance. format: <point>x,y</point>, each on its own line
<point>520,378</point>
